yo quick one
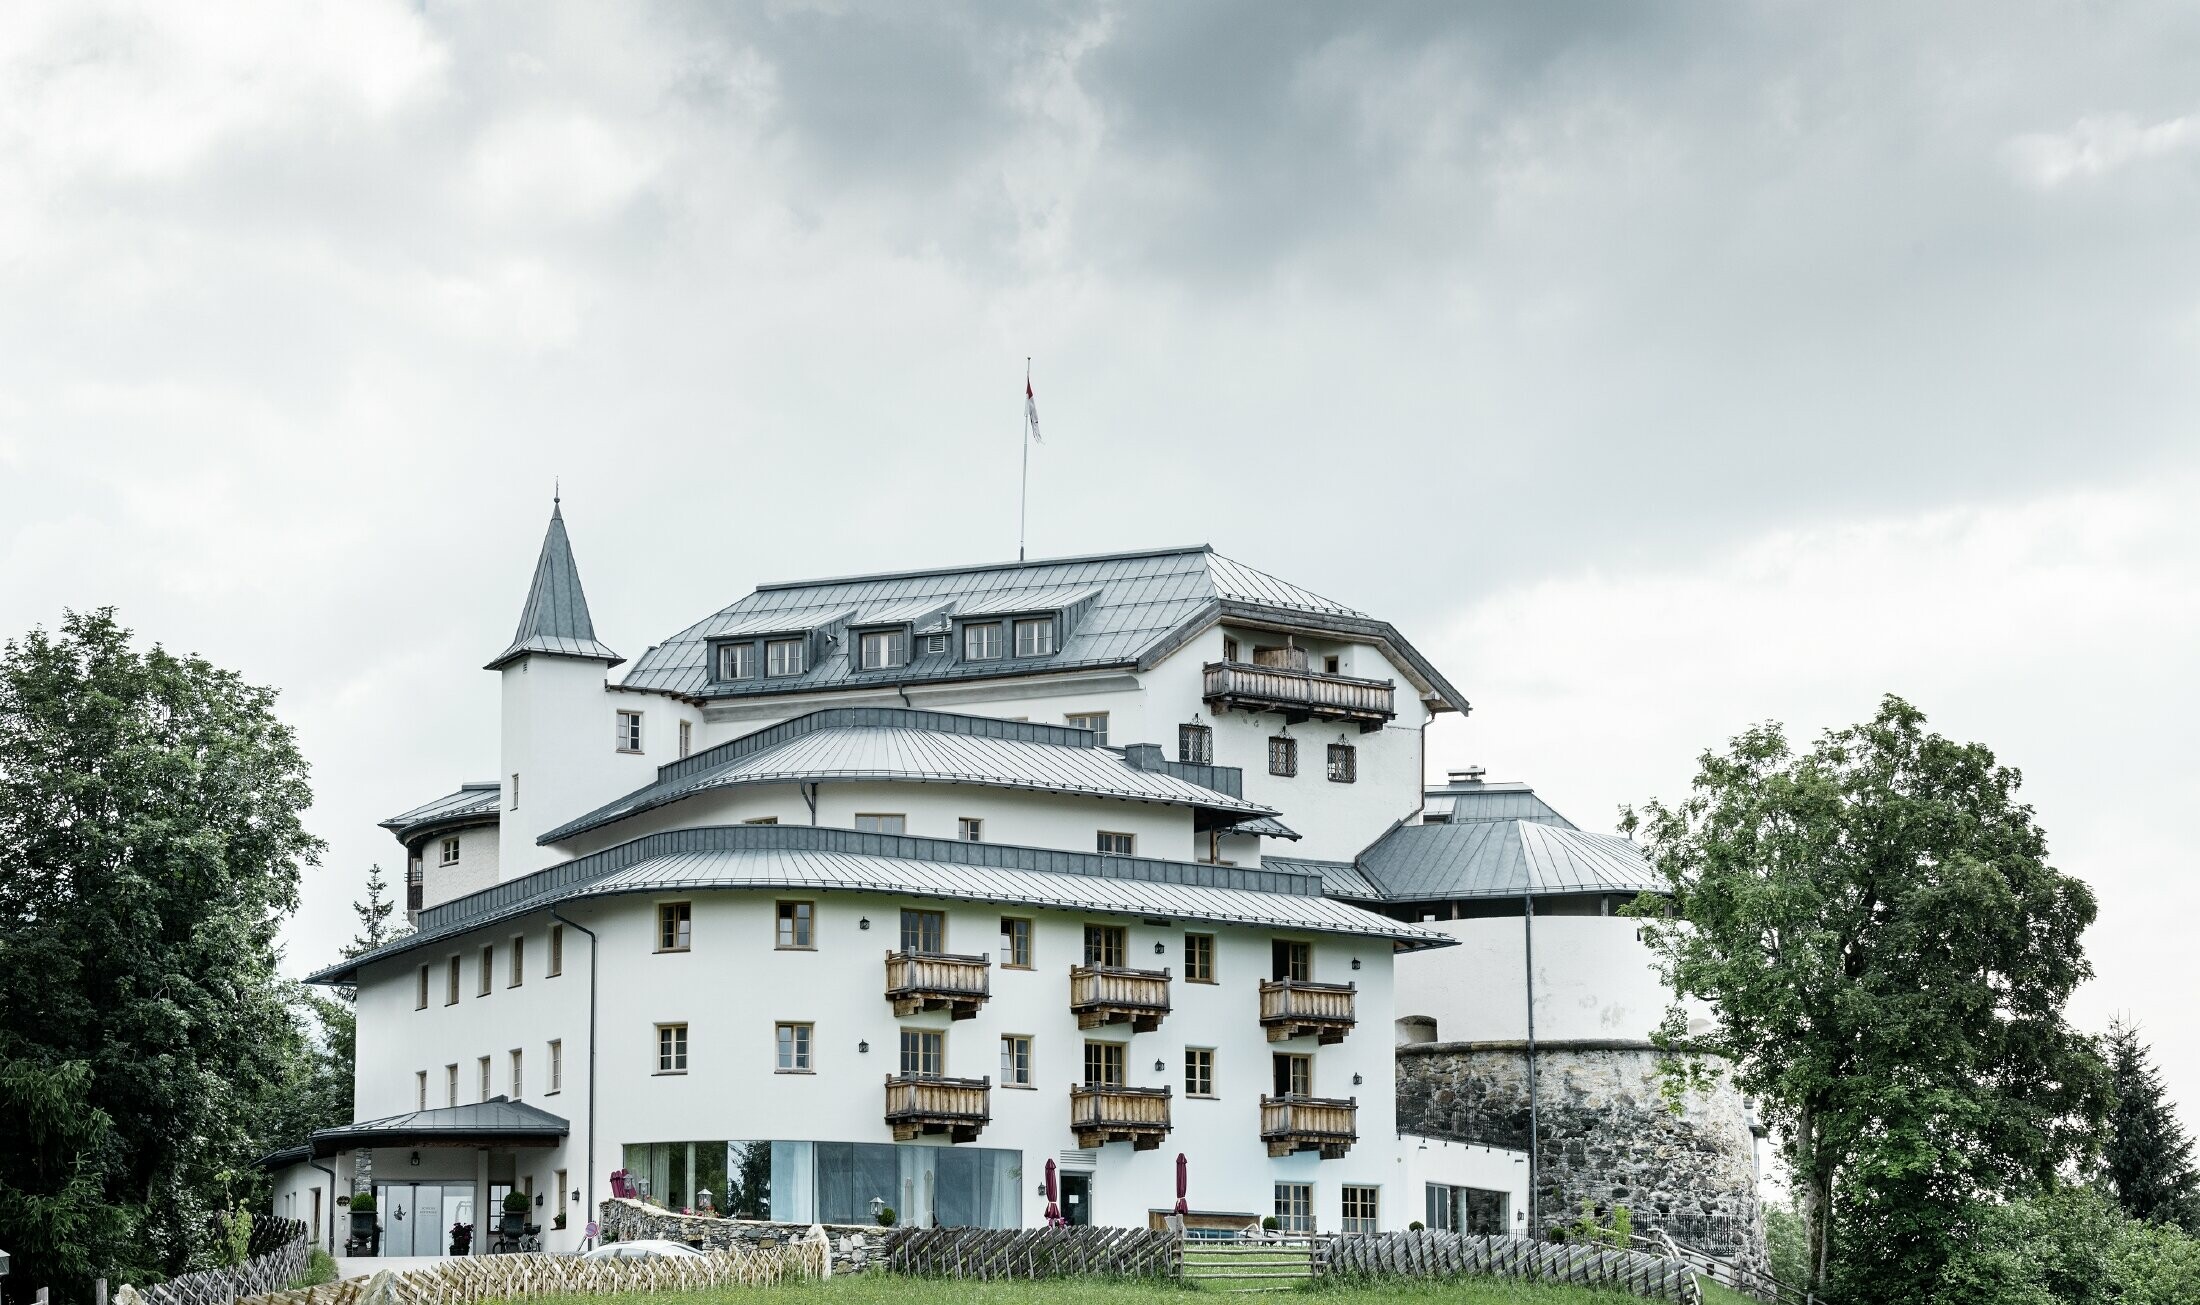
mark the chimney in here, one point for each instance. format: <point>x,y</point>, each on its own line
<point>1471,775</point>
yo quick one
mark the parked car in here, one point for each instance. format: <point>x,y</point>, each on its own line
<point>643,1250</point>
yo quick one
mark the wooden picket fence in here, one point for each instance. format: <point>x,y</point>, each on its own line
<point>988,1253</point>
<point>473,1279</point>
<point>276,1257</point>
<point>1431,1254</point>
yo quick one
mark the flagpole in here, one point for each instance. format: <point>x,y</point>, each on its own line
<point>1023,489</point>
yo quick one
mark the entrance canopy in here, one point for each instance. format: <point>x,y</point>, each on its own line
<point>497,1122</point>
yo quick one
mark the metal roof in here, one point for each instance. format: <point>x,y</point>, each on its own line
<point>801,856</point>
<point>1266,827</point>
<point>497,1121</point>
<point>1339,878</point>
<point>1476,800</point>
<point>1136,608</point>
<point>555,619</point>
<point>846,744</point>
<point>1503,858</point>
<point>473,804</point>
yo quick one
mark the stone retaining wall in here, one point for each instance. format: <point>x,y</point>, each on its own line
<point>1607,1135</point>
<point>854,1248</point>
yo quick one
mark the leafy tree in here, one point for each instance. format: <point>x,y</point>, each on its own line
<point>1887,953</point>
<point>150,845</point>
<point>2149,1155</point>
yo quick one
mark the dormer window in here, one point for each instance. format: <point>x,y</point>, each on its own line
<point>935,644</point>
<point>737,661</point>
<point>881,649</point>
<point>982,641</point>
<point>783,657</point>
<point>1035,637</point>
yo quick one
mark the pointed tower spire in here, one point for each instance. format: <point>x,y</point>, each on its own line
<point>555,621</point>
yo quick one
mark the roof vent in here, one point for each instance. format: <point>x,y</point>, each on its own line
<point>1471,775</point>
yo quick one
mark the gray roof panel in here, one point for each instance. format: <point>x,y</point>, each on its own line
<point>1339,878</point>
<point>473,804</point>
<point>1503,858</point>
<point>496,1120</point>
<point>555,620</point>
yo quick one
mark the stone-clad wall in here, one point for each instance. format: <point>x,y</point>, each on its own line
<point>1608,1135</point>
<point>632,1221</point>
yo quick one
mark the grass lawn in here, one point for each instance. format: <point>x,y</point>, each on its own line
<point>1714,1294</point>
<point>867,1289</point>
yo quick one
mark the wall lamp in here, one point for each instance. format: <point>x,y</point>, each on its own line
<point>1160,1067</point>
<point>1355,962</point>
<point>864,923</point>
<point>1161,949</point>
<point>416,1157</point>
<point>863,1048</point>
<point>1357,1080</point>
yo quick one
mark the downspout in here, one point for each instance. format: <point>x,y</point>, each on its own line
<point>589,1207</point>
<point>331,1244</point>
<point>1527,900</point>
<point>809,795</point>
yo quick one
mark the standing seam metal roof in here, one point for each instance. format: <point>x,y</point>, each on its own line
<point>472,804</point>
<point>1503,858</point>
<point>555,619</point>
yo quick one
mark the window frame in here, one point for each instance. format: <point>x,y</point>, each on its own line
<point>675,920</point>
<point>929,1044</point>
<point>935,643</point>
<point>451,983</point>
<point>895,641</point>
<point>447,852</point>
<point>671,1049</point>
<point>450,1084</point>
<point>421,997</point>
<point>1108,1058</point>
<point>1349,771</point>
<point>488,970</point>
<point>997,641</point>
<point>1195,744</point>
<point>1027,936</point>
<point>741,650</point>
<point>794,1047</point>
<point>420,1081</point>
<point>794,930</point>
<point>556,1050</point>
<point>921,917</point>
<point>1129,845</point>
<point>1199,1066</point>
<point>1194,970</point>
<point>1283,756</point>
<point>1297,1073</point>
<point>557,952</point>
<point>1017,1062</point>
<point>1298,1217</point>
<point>483,1071</point>
<point>1106,934</point>
<point>969,829</point>
<point>516,972</point>
<point>1369,1219</point>
<point>627,731</point>
<point>516,1076</point>
<point>1047,624</point>
<point>793,664</point>
<point>901,816</point>
<point>1099,732</point>
<point>687,737</point>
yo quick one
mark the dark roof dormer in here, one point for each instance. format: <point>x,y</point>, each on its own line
<point>555,621</point>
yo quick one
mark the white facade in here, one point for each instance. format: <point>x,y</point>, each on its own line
<point>1595,980</point>
<point>515,1027</point>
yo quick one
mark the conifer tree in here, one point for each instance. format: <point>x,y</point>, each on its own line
<point>2148,1159</point>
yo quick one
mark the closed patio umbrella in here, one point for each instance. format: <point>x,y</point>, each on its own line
<point>1054,1198</point>
<point>1183,1184</point>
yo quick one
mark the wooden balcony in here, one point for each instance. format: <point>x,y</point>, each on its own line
<point>1100,1113</point>
<point>1294,1008</point>
<point>1295,1123</point>
<point>917,1104</point>
<point>1299,695</point>
<point>917,981</point>
<point>1104,994</point>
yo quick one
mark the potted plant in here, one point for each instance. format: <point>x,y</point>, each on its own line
<point>462,1239</point>
<point>558,1221</point>
<point>364,1229</point>
<point>1270,1223</point>
<point>886,1216</point>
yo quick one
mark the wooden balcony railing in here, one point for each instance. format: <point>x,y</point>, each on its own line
<point>1100,1113</point>
<point>1295,1123</point>
<point>1299,695</point>
<point>1104,994</point>
<point>1294,1008</point>
<point>918,981</point>
<point>917,1104</point>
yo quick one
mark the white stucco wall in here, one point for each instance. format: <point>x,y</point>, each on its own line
<point>1594,980</point>
<point>1425,1160</point>
<point>479,847</point>
<point>294,1188</point>
<point>558,734</point>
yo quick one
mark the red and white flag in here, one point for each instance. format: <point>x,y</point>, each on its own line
<point>1031,409</point>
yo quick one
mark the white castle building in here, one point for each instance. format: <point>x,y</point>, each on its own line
<point>885,891</point>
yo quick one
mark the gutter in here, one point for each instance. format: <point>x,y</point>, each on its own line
<point>593,948</point>
<point>330,1245</point>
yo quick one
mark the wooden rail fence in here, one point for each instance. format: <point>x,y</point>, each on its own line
<point>276,1257</point>
<point>473,1279</point>
<point>990,1253</point>
<point>1431,1254</point>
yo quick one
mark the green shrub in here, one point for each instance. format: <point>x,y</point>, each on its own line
<point>1270,1223</point>
<point>1785,1242</point>
<point>2155,1264</point>
<point>1415,1226</point>
<point>886,1216</point>
<point>515,1202</point>
<point>320,1268</point>
<point>363,1203</point>
<point>1589,1229</point>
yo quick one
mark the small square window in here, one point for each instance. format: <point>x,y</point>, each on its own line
<point>449,852</point>
<point>1015,1060</point>
<point>881,822</point>
<point>881,649</point>
<point>982,641</point>
<point>1283,756</point>
<point>793,1049</point>
<point>1344,763</point>
<point>629,731</point>
<point>795,921</point>
<point>923,1052</point>
<point>1096,721</point>
<point>1113,844</point>
<point>1195,745</point>
<point>672,1049</point>
<point>675,926</point>
<point>784,657</point>
<point>1035,638</point>
<point>737,661</point>
<point>1199,958</point>
<point>1329,664</point>
<point>1015,942</point>
<point>1199,1071</point>
<point>970,829</point>
<point>935,644</point>
<point>1104,1063</point>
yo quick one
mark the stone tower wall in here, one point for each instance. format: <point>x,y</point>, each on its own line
<point>1607,1135</point>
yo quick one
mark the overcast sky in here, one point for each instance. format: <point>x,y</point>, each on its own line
<point>1657,369</point>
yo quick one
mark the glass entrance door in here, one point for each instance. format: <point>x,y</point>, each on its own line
<point>1077,1198</point>
<point>417,1217</point>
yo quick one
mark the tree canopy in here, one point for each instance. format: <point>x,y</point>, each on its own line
<point>2148,1158</point>
<point>150,846</point>
<point>1887,953</point>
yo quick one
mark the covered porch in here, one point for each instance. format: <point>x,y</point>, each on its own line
<point>436,1170</point>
